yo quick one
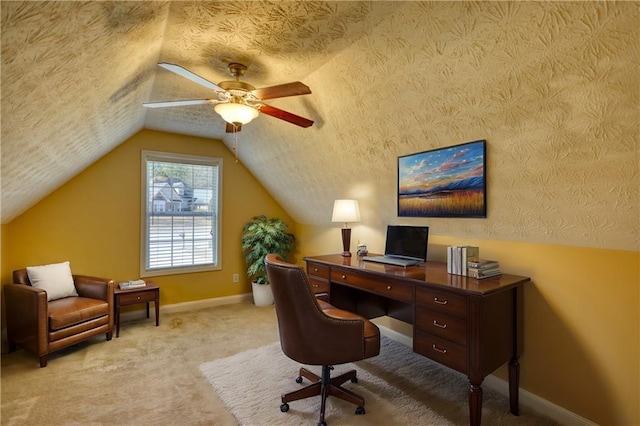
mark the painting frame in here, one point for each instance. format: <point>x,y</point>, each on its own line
<point>444,182</point>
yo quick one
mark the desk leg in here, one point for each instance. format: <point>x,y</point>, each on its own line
<point>514,386</point>
<point>475,404</point>
<point>117,320</point>
<point>148,309</point>
<point>157,304</point>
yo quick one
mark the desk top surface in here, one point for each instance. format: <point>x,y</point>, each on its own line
<point>430,272</point>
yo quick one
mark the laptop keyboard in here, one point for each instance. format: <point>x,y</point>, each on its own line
<point>391,260</point>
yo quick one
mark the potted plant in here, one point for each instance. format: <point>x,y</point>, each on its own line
<point>260,237</point>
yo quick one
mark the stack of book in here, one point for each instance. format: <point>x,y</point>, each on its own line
<point>483,268</point>
<point>458,257</point>
<point>128,285</point>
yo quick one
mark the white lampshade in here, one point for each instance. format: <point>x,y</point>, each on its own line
<point>236,113</point>
<point>346,211</point>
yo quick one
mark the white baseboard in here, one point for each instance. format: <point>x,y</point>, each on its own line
<point>538,404</point>
<point>526,398</point>
<point>189,306</point>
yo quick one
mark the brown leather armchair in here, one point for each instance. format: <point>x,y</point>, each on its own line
<point>314,332</point>
<point>42,326</point>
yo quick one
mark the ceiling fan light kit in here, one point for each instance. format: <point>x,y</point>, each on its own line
<point>236,113</point>
<point>238,102</point>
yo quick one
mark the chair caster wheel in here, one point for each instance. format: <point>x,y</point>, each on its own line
<point>284,407</point>
<point>360,410</point>
<point>354,380</point>
<point>299,379</point>
<point>322,423</point>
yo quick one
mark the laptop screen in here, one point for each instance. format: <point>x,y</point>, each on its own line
<point>407,241</point>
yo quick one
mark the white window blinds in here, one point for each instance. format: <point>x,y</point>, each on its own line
<point>180,213</point>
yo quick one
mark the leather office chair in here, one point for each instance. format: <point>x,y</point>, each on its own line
<point>42,327</point>
<point>314,332</point>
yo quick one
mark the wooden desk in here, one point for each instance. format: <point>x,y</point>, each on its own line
<point>473,326</point>
<point>149,293</point>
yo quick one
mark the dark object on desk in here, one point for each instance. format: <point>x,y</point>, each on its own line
<point>316,333</point>
<point>473,326</point>
<point>42,327</point>
<point>149,293</point>
<point>404,246</point>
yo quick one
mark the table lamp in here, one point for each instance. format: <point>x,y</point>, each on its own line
<point>346,211</point>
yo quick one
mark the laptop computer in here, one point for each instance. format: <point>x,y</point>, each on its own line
<point>404,246</point>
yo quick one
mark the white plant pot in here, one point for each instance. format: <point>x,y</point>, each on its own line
<point>262,295</point>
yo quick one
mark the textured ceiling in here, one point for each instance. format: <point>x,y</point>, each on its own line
<point>75,74</point>
<point>552,86</point>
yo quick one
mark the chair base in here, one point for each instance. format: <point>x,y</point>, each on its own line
<point>324,386</point>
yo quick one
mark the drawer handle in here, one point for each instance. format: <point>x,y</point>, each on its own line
<point>138,297</point>
<point>314,285</point>
<point>435,348</point>
<point>344,277</point>
<point>315,269</point>
<point>440,302</point>
<point>388,287</point>
<point>437,324</point>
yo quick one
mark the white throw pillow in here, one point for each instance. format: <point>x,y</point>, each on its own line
<point>55,279</point>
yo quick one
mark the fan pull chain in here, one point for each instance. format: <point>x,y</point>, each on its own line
<point>235,142</point>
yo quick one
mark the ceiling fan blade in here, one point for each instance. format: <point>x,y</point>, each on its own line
<point>282,90</point>
<point>179,103</point>
<point>183,72</point>
<point>233,128</point>
<point>286,116</point>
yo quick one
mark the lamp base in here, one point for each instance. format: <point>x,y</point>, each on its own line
<point>346,242</point>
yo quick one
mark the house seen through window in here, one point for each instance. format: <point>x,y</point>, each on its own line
<point>180,213</point>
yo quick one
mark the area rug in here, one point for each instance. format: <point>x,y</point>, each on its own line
<point>399,387</point>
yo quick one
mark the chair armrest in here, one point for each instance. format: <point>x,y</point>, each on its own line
<point>94,287</point>
<point>26,313</point>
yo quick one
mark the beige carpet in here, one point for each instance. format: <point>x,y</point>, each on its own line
<point>150,375</point>
<point>147,376</point>
<point>399,387</point>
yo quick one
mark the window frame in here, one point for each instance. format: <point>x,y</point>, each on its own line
<point>146,156</point>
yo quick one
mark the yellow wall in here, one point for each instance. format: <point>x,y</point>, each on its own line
<point>94,221</point>
<point>581,314</point>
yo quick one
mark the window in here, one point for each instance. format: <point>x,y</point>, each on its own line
<point>180,213</point>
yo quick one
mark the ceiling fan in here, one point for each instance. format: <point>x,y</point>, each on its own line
<point>236,101</point>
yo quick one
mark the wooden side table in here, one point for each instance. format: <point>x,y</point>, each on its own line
<point>149,293</point>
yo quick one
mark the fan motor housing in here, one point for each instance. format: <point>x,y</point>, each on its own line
<point>236,85</point>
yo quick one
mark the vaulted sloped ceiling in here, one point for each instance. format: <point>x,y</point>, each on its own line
<point>552,86</point>
<point>75,75</point>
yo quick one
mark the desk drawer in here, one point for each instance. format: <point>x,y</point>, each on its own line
<point>446,302</point>
<point>318,285</point>
<point>136,297</point>
<point>385,287</point>
<point>317,270</point>
<point>446,326</point>
<point>441,351</point>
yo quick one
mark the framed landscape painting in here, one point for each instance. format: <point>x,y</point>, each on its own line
<point>444,182</point>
